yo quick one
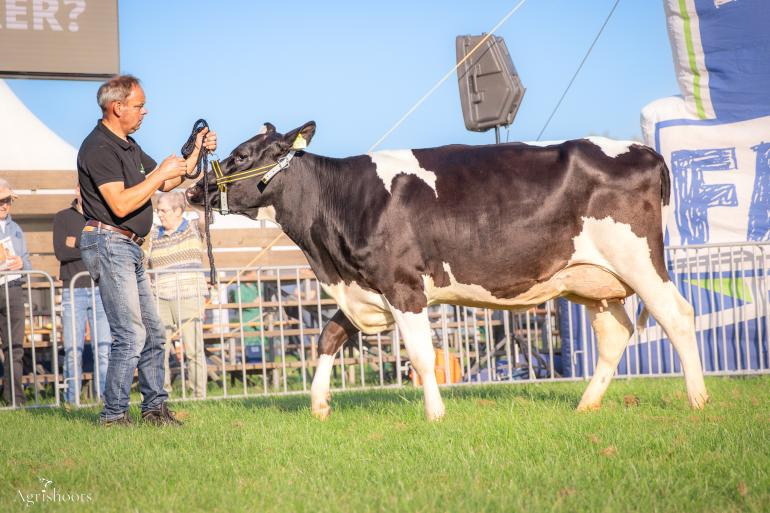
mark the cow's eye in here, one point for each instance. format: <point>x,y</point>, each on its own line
<point>240,158</point>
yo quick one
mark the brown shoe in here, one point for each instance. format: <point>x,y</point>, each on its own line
<point>123,420</point>
<point>161,416</point>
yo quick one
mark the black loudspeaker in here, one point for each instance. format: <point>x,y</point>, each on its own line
<point>490,88</point>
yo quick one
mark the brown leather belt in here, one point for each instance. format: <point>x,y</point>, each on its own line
<point>128,233</point>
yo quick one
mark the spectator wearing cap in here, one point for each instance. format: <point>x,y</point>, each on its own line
<point>13,257</point>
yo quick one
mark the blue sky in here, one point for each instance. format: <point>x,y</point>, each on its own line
<point>357,67</point>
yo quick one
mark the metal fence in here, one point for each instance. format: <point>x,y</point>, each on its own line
<point>256,333</point>
<point>35,344</point>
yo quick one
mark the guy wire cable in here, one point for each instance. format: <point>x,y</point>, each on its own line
<point>585,57</point>
<point>445,77</point>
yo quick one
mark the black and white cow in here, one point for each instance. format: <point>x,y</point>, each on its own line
<point>504,226</point>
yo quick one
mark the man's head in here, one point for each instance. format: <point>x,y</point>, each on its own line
<point>6,198</point>
<point>121,99</point>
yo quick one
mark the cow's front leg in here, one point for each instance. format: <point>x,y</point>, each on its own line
<point>415,330</point>
<point>336,332</point>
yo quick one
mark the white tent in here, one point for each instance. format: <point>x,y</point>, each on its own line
<point>28,144</point>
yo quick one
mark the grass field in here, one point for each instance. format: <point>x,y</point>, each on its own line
<point>500,448</point>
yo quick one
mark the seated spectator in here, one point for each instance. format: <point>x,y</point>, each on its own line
<point>85,302</point>
<point>13,257</point>
<point>175,248</point>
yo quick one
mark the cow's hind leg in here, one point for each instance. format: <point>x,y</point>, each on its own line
<point>415,330</point>
<point>633,260</point>
<point>613,329</point>
<point>676,316</point>
<point>336,332</point>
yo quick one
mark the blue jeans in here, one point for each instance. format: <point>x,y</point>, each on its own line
<point>115,264</point>
<point>87,309</point>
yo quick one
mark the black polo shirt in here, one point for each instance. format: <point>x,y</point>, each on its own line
<point>103,158</point>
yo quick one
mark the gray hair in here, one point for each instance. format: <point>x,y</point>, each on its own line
<point>115,89</point>
<point>175,199</point>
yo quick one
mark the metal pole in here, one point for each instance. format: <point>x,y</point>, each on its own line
<point>262,330</point>
<point>75,375</point>
<point>32,337</point>
<point>240,321</point>
<point>300,311</point>
<point>180,331</point>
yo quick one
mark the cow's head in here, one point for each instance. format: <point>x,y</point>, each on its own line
<point>252,174</point>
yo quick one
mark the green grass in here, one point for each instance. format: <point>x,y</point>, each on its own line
<point>500,448</point>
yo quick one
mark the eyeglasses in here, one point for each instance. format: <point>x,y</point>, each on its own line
<point>6,201</point>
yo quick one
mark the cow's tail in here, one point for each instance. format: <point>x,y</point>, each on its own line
<point>665,183</point>
<point>665,190</point>
<point>644,316</point>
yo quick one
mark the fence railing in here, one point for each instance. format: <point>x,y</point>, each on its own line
<point>31,341</point>
<point>256,333</point>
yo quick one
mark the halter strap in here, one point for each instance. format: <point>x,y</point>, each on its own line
<point>221,180</point>
<point>281,164</point>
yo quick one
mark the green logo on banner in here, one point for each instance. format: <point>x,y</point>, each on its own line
<point>735,288</point>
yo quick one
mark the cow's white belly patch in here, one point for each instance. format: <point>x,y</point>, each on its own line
<point>367,310</point>
<point>390,163</point>
<point>469,294</point>
<point>604,251</point>
<point>611,147</point>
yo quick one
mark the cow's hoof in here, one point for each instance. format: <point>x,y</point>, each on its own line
<point>434,415</point>
<point>319,405</point>
<point>698,401</point>
<point>322,412</point>
<point>584,407</point>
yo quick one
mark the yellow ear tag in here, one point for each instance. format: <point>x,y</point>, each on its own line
<point>299,143</point>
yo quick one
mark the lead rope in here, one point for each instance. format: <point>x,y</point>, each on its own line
<point>202,166</point>
<point>187,149</point>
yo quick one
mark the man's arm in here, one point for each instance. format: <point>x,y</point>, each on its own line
<point>122,201</point>
<point>204,138</point>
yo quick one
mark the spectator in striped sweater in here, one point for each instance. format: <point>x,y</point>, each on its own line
<point>175,254</point>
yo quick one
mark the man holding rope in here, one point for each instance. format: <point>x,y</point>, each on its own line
<point>117,181</point>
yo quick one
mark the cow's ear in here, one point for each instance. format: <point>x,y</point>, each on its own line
<point>266,129</point>
<point>299,138</point>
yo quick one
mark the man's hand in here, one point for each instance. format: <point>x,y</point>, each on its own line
<point>172,167</point>
<point>207,139</point>
<point>15,263</point>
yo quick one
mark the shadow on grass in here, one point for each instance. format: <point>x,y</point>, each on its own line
<point>665,394</point>
<point>83,415</point>
<point>375,399</point>
<point>553,394</point>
